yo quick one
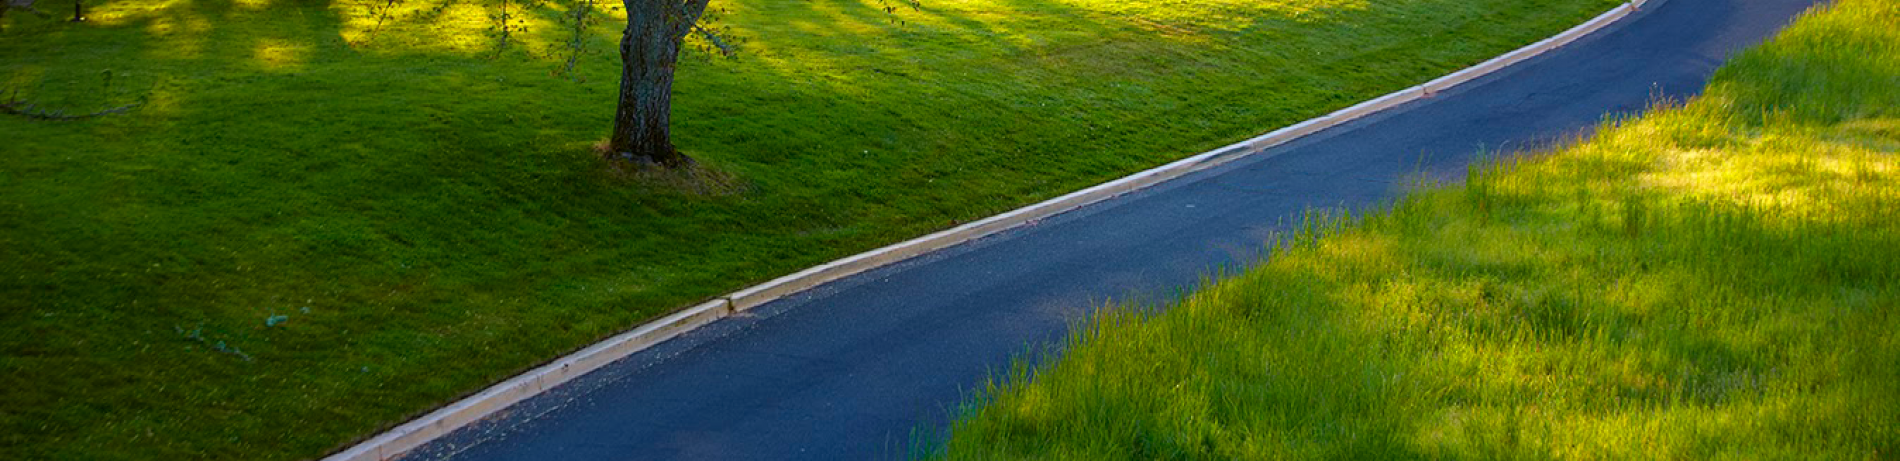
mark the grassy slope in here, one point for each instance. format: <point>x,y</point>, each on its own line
<point>1713,280</point>
<point>429,219</point>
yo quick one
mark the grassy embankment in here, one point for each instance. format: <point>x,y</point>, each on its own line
<point>316,226</point>
<point>1713,280</point>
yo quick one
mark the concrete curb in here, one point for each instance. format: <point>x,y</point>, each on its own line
<point>442,421</point>
<point>808,278</point>
<point>447,419</point>
<point>1521,54</point>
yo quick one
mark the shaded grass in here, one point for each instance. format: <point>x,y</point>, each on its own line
<point>316,226</point>
<point>1713,280</point>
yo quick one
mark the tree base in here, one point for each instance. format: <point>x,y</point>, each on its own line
<point>689,177</point>
<point>674,161</point>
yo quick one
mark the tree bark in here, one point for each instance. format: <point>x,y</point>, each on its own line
<point>649,52</point>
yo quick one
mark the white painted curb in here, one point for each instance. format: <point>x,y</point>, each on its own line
<point>440,422</point>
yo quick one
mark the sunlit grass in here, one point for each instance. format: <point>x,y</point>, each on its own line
<point>1718,279</point>
<point>456,27</point>
<point>373,220</point>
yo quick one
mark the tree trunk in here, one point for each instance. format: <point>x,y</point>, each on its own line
<point>649,51</point>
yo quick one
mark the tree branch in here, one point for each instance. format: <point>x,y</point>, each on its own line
<point>577,43</point>
<point>687,17</point>
<point>725,49</point>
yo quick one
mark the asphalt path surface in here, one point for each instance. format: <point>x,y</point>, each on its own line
<point>859,368</point>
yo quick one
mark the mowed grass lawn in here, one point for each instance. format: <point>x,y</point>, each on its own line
<point>1713,280</point>
<point>319,223</point>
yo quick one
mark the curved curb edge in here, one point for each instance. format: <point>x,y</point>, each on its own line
<point>415,433</point>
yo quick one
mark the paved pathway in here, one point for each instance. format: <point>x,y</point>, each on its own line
<point>851,370</point>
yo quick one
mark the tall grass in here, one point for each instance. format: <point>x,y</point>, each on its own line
<point>1718,279</point>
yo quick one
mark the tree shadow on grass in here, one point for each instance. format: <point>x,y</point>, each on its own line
<point>432,203</point>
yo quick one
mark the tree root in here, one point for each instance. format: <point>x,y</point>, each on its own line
<point>22,5</point>
<point>29,110</point>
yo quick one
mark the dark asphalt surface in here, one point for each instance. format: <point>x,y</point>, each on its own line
<point>853,369</point>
